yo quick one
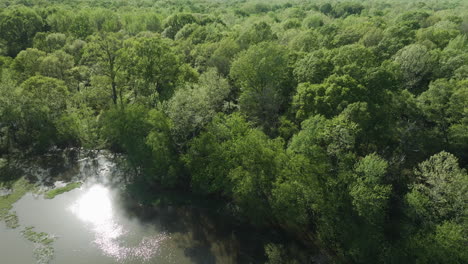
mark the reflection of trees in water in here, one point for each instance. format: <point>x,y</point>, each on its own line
<point>52,166</point>
<point>205,237</point>
<point>203,240</point>
<point>71,165</point>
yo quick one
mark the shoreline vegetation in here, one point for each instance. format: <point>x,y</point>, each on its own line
<point>57,191</point>
<point>43,249</point>
<point>18,189</point>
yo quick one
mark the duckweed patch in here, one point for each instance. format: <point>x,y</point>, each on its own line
<point>52,193</point>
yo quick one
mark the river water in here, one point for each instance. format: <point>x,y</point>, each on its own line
<point>95,224</point>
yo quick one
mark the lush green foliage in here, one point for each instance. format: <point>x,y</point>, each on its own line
<point>344,124</point>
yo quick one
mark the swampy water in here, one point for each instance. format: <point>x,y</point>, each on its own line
<point>95,223</point>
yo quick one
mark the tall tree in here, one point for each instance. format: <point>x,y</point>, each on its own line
<point>263,74</point>
<point>103,51</point>
<point>416,63</point>
<point>151,67</point>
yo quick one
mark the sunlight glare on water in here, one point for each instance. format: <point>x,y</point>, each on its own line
<point>94,207</point>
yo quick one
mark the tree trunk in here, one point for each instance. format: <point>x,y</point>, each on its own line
<point>114,92</point>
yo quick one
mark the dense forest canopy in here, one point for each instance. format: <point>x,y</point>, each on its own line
<point>344,124</point>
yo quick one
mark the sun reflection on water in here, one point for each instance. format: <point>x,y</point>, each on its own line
<point>95,208</point>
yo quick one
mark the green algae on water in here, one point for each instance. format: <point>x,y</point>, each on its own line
<point>52,193</point>
<point>43,249</point>
<point>19,188</point>
<point>11,220</point>
<point>37,237</point>
<point>43,253</point>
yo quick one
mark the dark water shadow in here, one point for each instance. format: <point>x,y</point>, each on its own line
<point>206,235</point>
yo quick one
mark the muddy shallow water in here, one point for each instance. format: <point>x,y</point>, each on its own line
<point>94,224</point>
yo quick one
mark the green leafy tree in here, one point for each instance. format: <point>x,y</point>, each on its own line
<point>60,20</point>
<point>313,21</point>
<point>459,119</point>
<point>126,129</point>
<point>443,106</point>
<point>136,22</point>
<point>440,192</point>
<point>164,159</point>
<point>105,20</point>
<point>78,126</point>
<point>438,200</point>
<point>369,192</point>
<point>258,32</point>
<point>49,42</point>
<point>298,184</point>
<point>395,38</point>
<point>305,41</point>
<point>353,60</point>
<point>44,103</point>
<point>10,111</point>
<point>453,57</point>
<point>237,161</point>
<point>152,69</point>
<point>435,103</point>
<point>82,25</point>
<point>223,55</point>
<point>326,8</point>
<point>144,135</point>
<point>372,38</point>
<point>440,34</point>
<point>176,22</point>
<point>192,107</point>
<point>57,65</point>
<point>338,195</point>
<point>320,137</point>
<point>76,49</point>
<point>265,81</point>
<point>415,19</point>
<point>27,63</point>
<point>329,98</point>
<point>347,8</point>
<point>416,63</point>
<point>314,67</point>
<point>18,25</point>
<point>103,51</point>
<point>205,155</point>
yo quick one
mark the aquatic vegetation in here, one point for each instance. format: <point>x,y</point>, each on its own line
<point>43,253</point>
<point>11,220</point>
<point>43,249</point>
<point>52,193</point>
<point>18,188</point>
<point>37,237</point>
